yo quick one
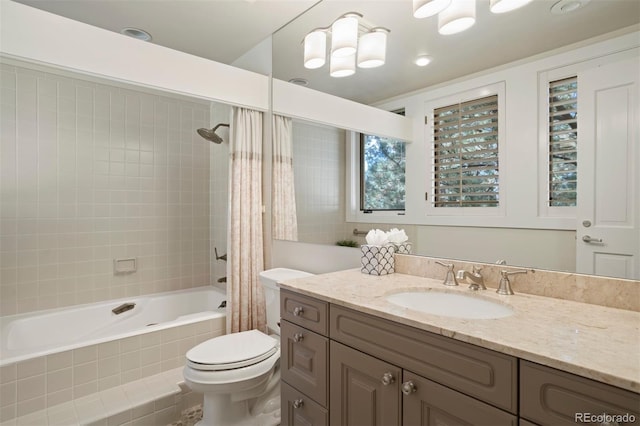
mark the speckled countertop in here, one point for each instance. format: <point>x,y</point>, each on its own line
<point>592,341</point>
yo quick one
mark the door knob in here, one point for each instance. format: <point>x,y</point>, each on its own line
<point>408,388</point>
<point>588,239</point>
<point>387,379</point>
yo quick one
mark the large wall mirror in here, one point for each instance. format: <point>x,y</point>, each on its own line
<point>319,151</point>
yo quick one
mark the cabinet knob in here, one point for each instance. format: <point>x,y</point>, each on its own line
<point>298,310</point>
<point>387,379</point>
<point>298,403</point>
<point>408,388</point>
<point>298,337</point>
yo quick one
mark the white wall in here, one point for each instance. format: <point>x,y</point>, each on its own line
<point>91,172</point>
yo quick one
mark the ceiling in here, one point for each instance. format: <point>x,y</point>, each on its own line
<point>224,30</point>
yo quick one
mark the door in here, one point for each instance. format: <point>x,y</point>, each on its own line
<point>365,391</point>
<point>608,212</point>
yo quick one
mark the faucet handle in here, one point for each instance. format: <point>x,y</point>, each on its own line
<point>449,279</point>
<point>505,284</point>
<point>476,269</point>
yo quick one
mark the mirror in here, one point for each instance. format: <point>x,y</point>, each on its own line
<point>321,219</point>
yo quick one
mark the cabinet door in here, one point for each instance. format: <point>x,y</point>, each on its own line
<point>364,390</point>
<point>300,410</point>
<point>427,403</point>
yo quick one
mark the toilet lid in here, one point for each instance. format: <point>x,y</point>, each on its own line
<point>232,351</point>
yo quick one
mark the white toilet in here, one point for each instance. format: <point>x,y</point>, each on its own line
<point>239,373</point>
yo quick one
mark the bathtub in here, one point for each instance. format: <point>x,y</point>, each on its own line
<point>42,333</point>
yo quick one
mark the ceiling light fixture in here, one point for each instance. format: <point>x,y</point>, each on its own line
<point>344,35</point>
<point>423,60</point>
<point>426,8</point>
<point>136,33</point>
<point>372,50</point>
<point>369,49</point>
<point>459,16</point>
<point>315,49</point>
<point>503,6</point>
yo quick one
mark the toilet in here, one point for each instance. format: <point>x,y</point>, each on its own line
<point>238,373</point>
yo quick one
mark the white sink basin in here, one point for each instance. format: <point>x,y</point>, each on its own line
<point>450,304</point>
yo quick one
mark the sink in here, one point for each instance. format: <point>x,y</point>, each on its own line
<point>450,304</point>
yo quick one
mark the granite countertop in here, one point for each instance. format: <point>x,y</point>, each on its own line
<point>592,341</point>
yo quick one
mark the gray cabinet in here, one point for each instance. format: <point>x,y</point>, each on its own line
<point>553,397</point>
<point>345,368</point>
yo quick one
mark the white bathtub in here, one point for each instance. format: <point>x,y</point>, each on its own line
<point>41,333</point>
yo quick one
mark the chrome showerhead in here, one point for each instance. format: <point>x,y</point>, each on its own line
<point>210,134</point>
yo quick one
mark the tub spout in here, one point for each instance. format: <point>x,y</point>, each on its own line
<point>123,308</point>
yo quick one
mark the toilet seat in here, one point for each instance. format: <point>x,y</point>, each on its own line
<point>232,351</point>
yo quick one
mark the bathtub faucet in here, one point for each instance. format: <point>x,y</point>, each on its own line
<point>123,308</point>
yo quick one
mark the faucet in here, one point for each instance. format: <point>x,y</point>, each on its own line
<point>477,280</point>
<point>505,284</point>
<point>450,278</point>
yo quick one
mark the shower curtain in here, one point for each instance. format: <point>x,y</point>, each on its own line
<point>285,221</point>
<point>245,259</point>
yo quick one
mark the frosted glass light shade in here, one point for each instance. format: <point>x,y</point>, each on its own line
<point>426,8</point>
<point>372,48</point>
<point>315,49</point>
<point>342,66</point>
<point>502,6</point>
<point>344,36</point>
<point>459,16</point>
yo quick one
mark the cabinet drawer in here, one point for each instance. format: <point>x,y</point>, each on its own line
<point>553,397</point>
<point>304,361</point>
<point>432,404</point>
<point>299,410</point>
<point>305,311</point>
<point>484,374</point>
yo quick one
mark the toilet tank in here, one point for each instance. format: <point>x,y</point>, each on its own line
<point>269,280</point>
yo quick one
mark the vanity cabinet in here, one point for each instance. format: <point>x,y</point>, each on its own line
<point>341,367</point>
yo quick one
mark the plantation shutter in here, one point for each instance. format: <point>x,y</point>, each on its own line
<point>465,147</point>
<point>563,142</point>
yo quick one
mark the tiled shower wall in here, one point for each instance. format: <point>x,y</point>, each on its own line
<point>92,172</point>
<point>319,176</point>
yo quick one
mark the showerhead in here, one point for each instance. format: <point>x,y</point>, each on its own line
<point>210,134</point>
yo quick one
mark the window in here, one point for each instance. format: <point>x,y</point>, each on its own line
<point>465,169</point>
<point>382,173</point>
<point>563,142</point>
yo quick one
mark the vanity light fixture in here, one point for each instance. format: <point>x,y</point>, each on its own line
<point>459,16</point>
<point>426,8</point>
<point>351,41</point>
<point>503,6</point>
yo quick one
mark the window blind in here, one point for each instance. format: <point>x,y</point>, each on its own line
<point>563,142</point>
<point>466,172</point>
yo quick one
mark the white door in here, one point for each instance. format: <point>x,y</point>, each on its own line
<point>608,212</point>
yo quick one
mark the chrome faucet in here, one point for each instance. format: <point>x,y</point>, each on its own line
<point>476,278</point>
<point>450,278</point>
<point>505,284</point>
